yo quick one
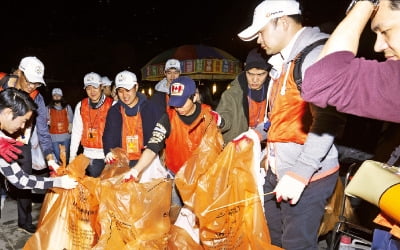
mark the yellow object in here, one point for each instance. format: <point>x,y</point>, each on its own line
<point>390,202</point>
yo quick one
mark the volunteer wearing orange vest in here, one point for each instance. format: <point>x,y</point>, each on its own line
<point>88,124</point>
<point>130,121</point>
<point>28,77</point>
<point>60,122</point>
<point>180,131</point>
<point>243,105</point>
<point>302,160</point>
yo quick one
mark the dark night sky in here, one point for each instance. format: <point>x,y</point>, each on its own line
<point>73,38</point>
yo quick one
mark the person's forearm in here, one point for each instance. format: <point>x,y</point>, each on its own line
<point>145,160</point>
<point>347,34</point>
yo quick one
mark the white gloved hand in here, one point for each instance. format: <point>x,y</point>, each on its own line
<point>289,189</point>
<point>131,174</point>
<point>110,158</point>
<point>65,182</point>
<point>53,166</point>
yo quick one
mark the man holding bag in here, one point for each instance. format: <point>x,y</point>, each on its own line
<point>302,160</point>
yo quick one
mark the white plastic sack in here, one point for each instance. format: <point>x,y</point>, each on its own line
<point>187,220</point>
<point>155,171</point>
<point>38,162</point>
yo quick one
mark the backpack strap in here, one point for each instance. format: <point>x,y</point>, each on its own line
<point>298,76</point>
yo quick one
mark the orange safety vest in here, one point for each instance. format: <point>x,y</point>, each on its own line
<point>289,114</point>
<point>58,121</point>
<point>184,139</point>
<point>256,112</point>
<point>94,121</point>
<point>132,135</point>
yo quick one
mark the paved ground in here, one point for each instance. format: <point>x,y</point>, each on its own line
<point>11,238</point>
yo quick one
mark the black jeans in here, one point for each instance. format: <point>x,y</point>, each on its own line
<point>296,226</point>
<point>24,197</point>
<point>95,167</point>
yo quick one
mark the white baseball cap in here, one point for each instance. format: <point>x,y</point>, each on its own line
<point>172,63</point>
<point>265,12</point>
<point>92,79</point>
<point>33,69</point>
<point>126,80</point>
<point>106,81</point>
<point>57,91</point>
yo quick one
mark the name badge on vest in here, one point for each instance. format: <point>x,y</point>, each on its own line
<point>92,134</point>
<point>132,144</point>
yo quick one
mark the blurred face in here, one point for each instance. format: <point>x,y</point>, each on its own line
<point>188,108</point>
<point>171,75</point>
<point>255,78</point>
<point>93,93</point>
<point>128,97</point>
<point>114,93</point>
<point>26,85</point>
<point>272,36</point>
<point>57,98</point>
<point>107,90</point>
<point>386,25</point>
<point>13,125</point>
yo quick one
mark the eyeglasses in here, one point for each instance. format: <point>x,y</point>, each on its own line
<point>35,84</point>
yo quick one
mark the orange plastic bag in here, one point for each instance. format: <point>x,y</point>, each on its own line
<point>134,215</point>
<point>198,164</point>
<point>68,217</point>
<point>179,239</point>
<point>119,166</point>
<point>226,179</point>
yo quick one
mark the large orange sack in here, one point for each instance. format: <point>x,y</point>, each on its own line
<point>68,217</point>
<point>224,196</point>
<point>134,215</point>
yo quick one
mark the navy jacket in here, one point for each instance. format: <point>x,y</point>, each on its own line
<point>112,136</point>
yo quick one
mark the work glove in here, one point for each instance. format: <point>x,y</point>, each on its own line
<point>216,117</point>
<point>132,174</point>
<point>110,158</point>
<point>289,189</point>
<point>53,166</point>
<point>65,182</point>
<point>8,149</point>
